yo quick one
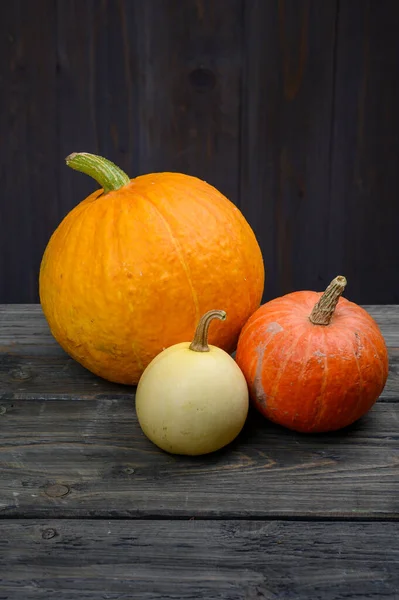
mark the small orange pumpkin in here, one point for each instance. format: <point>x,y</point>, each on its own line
<point>313,362</point>
<point>131,269</point>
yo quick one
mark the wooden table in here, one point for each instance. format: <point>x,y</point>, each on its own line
<point>92,510</point>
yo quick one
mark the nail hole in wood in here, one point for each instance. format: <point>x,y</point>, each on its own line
<point>202,80</point>
<point>48,534</point>
<point>57,490</point>
<point>20,374</point>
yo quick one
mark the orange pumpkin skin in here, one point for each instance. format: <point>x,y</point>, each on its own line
<point>129,273</point>
<point>312,378</point>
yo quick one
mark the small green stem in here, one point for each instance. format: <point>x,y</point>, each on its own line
<point>108,176</point>
<point>200,341</point>
<point>323,311</point>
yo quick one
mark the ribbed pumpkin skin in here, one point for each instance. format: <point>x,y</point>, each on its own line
<point>129,273</point>
<point>312,378</point>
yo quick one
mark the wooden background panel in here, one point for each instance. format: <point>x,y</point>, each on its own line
<point>187,75</point>
<point>287,106</point>
<point>152,85</point>
<point>286,137</point>
<point>82,93</point>
<point>28,143</point>
<point>205,560</point>
<point>77,458</point>
<point>364,215</point>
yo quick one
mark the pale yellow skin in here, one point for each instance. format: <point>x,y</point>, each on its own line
<point>190,402</point>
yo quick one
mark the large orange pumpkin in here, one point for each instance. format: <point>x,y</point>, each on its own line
<point>313,362</point>
<point>131,269</point>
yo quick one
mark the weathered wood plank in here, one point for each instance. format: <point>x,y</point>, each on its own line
<point>164,84</point>
<point>33,365</point>
<point>286,137</point>
<point>364,162</point>
<point>28,210</point>
<point>152,85</point>
<point>19,322</point>
<point>186,59</point>
<point>49,372</point>
<point>82,92</point>
<point>223,560</point>
<point>100,463</point>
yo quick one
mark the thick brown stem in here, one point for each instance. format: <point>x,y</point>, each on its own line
<point>200,341</point>
<point>323,311</point>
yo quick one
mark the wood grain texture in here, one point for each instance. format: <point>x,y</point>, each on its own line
<point>287,106</point>
<point>63,426</point>
<point>33,365</point>
<point>93,560</point>
<point>79,458</point>
<point>286,137</point>
<point>152,85</point>
<point>186,73</point>
<point>28,171</point>
<point>82,92</point>
<point>24,324</point>
<point>365,151</point>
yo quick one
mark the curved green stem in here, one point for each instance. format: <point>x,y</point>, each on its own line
<point>108,176</point>
<point>200,341</point>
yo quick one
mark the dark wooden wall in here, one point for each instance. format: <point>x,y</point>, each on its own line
<point>289,107</point>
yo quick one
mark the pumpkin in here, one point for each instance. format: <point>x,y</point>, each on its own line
<point>131,269</point>
<point>313,362</point>
<point>192,398</point>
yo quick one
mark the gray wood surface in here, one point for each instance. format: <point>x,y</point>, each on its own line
<point>19,322</point>
<point>95,450</point>
<point>33,365</point>
<point>164,560</point>
<point>91,510</point>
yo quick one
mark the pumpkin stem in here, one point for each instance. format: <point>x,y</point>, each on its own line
<point>108,176</point>
<point>323,311</point>
<point>200,341</point>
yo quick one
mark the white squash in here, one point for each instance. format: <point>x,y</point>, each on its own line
<point>192,398</point>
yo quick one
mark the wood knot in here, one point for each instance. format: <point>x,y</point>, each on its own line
<point>202,80</point>
<point>20,374</point>
<point>121,471</point>
<point>3,410</point>
<point>57,490</point>
<point>48,534</point>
